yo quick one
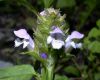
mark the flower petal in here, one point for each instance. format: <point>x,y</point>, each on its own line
<point>25,43</point>
<point>56,30</point>
<point>57,44</point>
<point>18,42</point>
<point>73,44</point>
<point>43,13</point>
<point>49,39</point>
<point>68,45</point>
<point>79,45</point>
<point>68,39</point>
<point>22,33</point>
<point>76,35</point>
<point>31,44</point>
<point>43,55</point>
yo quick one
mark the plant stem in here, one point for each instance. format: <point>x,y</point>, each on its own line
<point>50,73</point>
<point>48,69</point>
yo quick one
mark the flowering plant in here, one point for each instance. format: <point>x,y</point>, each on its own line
<point>50,43</point>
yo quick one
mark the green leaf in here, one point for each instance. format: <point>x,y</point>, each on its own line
<point>28,77</point>
<point>65,3</point>
<point>94,47</point>
<point>87,41</point>
<point>91,57</point>
<point>72,70</point>
<point>47,3</point>
<point>98,23</point>
<point>94,33</point>
<point>59,77</point>
<point>20,72</point>
<point>97,76</point>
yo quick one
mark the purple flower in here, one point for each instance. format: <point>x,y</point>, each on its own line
<point>74,35</point>
<point>43,55</point>
<point>43,13</point>
<point>56,38</point>
<point>27,40</point>
<point>56,30</point>
<point>69,41</point>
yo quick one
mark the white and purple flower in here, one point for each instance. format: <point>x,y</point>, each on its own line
<point>56,39</point>
<point>69,40</point>
<point>27,40</point>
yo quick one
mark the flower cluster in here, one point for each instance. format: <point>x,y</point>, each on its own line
<point>56,38</point>
<point>57,41</point>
